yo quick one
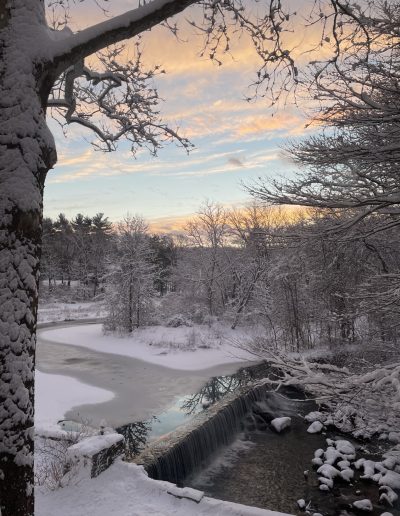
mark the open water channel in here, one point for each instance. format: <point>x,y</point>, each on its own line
<point>260,467</point>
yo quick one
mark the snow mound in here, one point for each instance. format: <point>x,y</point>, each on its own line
<point>345,448</point>
<point>347,474</point>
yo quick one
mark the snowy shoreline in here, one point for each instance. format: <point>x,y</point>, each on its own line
<point>142,377</point>
<point>186,348</point>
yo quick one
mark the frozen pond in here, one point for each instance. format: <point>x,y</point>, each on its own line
<point>141,389</point>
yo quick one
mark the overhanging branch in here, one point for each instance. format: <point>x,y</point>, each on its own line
<point>132,23</point>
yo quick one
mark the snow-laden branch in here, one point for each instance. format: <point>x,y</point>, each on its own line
<point>132,23</point>
<point>354,401</point>
<point>113,104</point>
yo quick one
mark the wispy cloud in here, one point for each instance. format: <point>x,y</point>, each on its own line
<point>236,162</point>
<point>288,123</point>
<point>91,164</point>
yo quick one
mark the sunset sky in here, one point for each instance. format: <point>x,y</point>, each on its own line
<point>235,141</point>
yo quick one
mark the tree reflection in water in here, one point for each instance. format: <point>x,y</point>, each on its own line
<point>136,436</point>
<point>216,388</point>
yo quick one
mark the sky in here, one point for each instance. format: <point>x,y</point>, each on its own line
<point>235,141</point>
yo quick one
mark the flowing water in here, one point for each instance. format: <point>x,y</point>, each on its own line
<point>231,453</point>
<point>228,448</point>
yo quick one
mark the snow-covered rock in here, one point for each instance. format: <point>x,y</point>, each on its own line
<point>347,474</point>
<point>368,466</point>
<point>380,467</point>
<point>327,481</point>
<point>315,416</point>
<point>363,505</point>
<point>328,471</point>
<point>394,437</point>
<point>332,455</point>
<point>281,423</point>
<point>390,462</point>
<point>301,503</point>
<point>315,427</point>
<point>391,479</point>
<point>317,461</point>
<point>387,495</point>
<point>345,448</point>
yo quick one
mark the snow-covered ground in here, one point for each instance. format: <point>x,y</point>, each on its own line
<point>58,311</point>
<point>193,348</point>
<point>125,490</point>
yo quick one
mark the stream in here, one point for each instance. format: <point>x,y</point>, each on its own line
<point>260,467</point>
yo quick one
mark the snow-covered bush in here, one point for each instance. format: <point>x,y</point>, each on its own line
<point>53,466</point>
<point>179,320</point>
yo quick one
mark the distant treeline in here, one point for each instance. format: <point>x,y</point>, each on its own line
<point>303,282</point>
<point>81,249</point>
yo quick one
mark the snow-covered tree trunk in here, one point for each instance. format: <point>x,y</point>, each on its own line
<point>26,153</point>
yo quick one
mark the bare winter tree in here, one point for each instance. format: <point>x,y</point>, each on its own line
<point>207,233</point>
<point>353,164</point>
<point>252,230</point>
<point>131,277</point>
<point>44,67</point>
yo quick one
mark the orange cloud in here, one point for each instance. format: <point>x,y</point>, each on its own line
<point>169,225</point>
<point>282,121</point>
<point>282,215</point>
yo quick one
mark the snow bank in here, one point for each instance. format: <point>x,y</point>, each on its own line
<point>125,490</point>
<point>168,347</point>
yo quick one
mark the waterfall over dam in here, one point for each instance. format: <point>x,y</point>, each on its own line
<point>186,449</point>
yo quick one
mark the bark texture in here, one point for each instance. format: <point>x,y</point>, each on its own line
<point>26,153</point>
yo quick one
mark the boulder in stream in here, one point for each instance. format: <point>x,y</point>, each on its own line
<point>281,423</point>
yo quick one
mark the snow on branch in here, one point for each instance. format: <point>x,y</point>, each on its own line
<point>114,30</point>
<point>117,102</point>
<point>355,400</point>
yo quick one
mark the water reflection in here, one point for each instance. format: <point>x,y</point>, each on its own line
<point>139,434</point>
<point>136,436</point>
<point>219,386</point>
